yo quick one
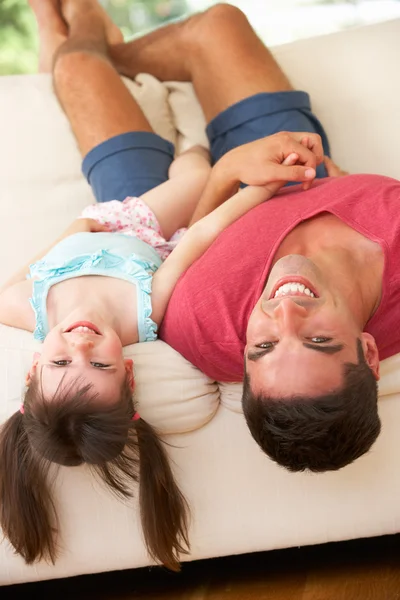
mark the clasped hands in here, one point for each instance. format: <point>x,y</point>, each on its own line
<point>278,159</point>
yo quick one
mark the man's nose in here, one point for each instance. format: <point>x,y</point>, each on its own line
<point>290,314</point>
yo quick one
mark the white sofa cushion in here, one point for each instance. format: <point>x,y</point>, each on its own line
<point>241,501</point>
<point>181,398</point>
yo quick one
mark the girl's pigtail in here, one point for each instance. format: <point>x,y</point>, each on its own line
<point>163,508</point>
<point>27,512</point>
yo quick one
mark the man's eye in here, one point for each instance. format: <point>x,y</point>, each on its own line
<point>320,340</point>
<point>265,345</point>
<point>61,363</point>
<point>99,365</point>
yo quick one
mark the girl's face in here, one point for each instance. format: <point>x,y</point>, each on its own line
<point>82,351</point>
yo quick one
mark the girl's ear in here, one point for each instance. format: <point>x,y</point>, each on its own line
<point>32,371</point>
<point>129,372</point>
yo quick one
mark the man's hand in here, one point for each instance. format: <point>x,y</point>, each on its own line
<point>260,162</point>
<point>84,225</point>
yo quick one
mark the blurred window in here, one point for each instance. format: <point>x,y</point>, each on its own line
<point>276,21</point>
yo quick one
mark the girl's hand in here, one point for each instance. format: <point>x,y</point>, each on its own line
<point>261,162</point>
<point>84,225</point>
<point>289,161</point>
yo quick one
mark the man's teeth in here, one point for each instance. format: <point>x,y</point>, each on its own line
<point>293,288</point>
<point>82,329</point>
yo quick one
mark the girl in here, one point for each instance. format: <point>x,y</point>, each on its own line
<point>92,293</point>
<point>106,284</point>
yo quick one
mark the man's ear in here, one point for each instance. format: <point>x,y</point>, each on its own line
<point>371,353</point>
<point>32,370</point>
<point>129,372</point>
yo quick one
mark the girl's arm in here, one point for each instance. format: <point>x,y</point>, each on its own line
<point>89,225</point>
<point>15,310</point>
<point>200,237</point>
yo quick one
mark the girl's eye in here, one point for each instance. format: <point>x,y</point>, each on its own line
<point>99,365</point>
<point>61,363</point>
<point>320,340</point>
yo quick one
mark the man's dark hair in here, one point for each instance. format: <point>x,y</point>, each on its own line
<point>323,433</point>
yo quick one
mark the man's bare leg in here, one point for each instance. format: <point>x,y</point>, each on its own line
<point>100,107</point>
<point>96,101</point>
<point>52,29</point>
<point>90,9</point>
<point>217,50</point>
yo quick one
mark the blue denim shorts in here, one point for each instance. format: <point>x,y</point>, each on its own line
<point>133,163</point>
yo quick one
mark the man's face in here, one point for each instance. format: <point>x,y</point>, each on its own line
<point>301,332</point>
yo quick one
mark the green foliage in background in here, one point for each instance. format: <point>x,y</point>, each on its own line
<point>18,43</point>
<point>134,16</point>
<point>18,33</point>
<point>19,39</point>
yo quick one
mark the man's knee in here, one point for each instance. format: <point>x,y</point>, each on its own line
<point>212,23</point>
<point>72,66</point>
<point>226,13</point>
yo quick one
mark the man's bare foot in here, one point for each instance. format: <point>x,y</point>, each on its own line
<point>75,9</point>
<point>53,31</point>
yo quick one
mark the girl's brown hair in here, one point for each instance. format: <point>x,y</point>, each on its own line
<point>72,429</point>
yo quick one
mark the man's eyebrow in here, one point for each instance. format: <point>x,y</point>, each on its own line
<point>259,353</point>
<point>109,370</point>
<point>332,349</point>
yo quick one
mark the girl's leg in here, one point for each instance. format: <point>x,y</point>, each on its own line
<point>174,201</point>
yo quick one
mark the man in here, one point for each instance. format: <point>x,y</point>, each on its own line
<point>298,289</point>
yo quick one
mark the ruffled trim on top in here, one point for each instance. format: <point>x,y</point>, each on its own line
<point>101,262</point>
<point>39,332</point>
<point>147,329</point>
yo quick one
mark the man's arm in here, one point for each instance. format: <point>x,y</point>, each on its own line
<point>260,163</point>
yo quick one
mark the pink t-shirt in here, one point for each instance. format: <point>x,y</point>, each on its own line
<point>208,313</point>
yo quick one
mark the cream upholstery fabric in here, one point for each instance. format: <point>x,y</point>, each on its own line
<point>241,502</point>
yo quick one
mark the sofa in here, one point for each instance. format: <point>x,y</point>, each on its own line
<point>241,501</point>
